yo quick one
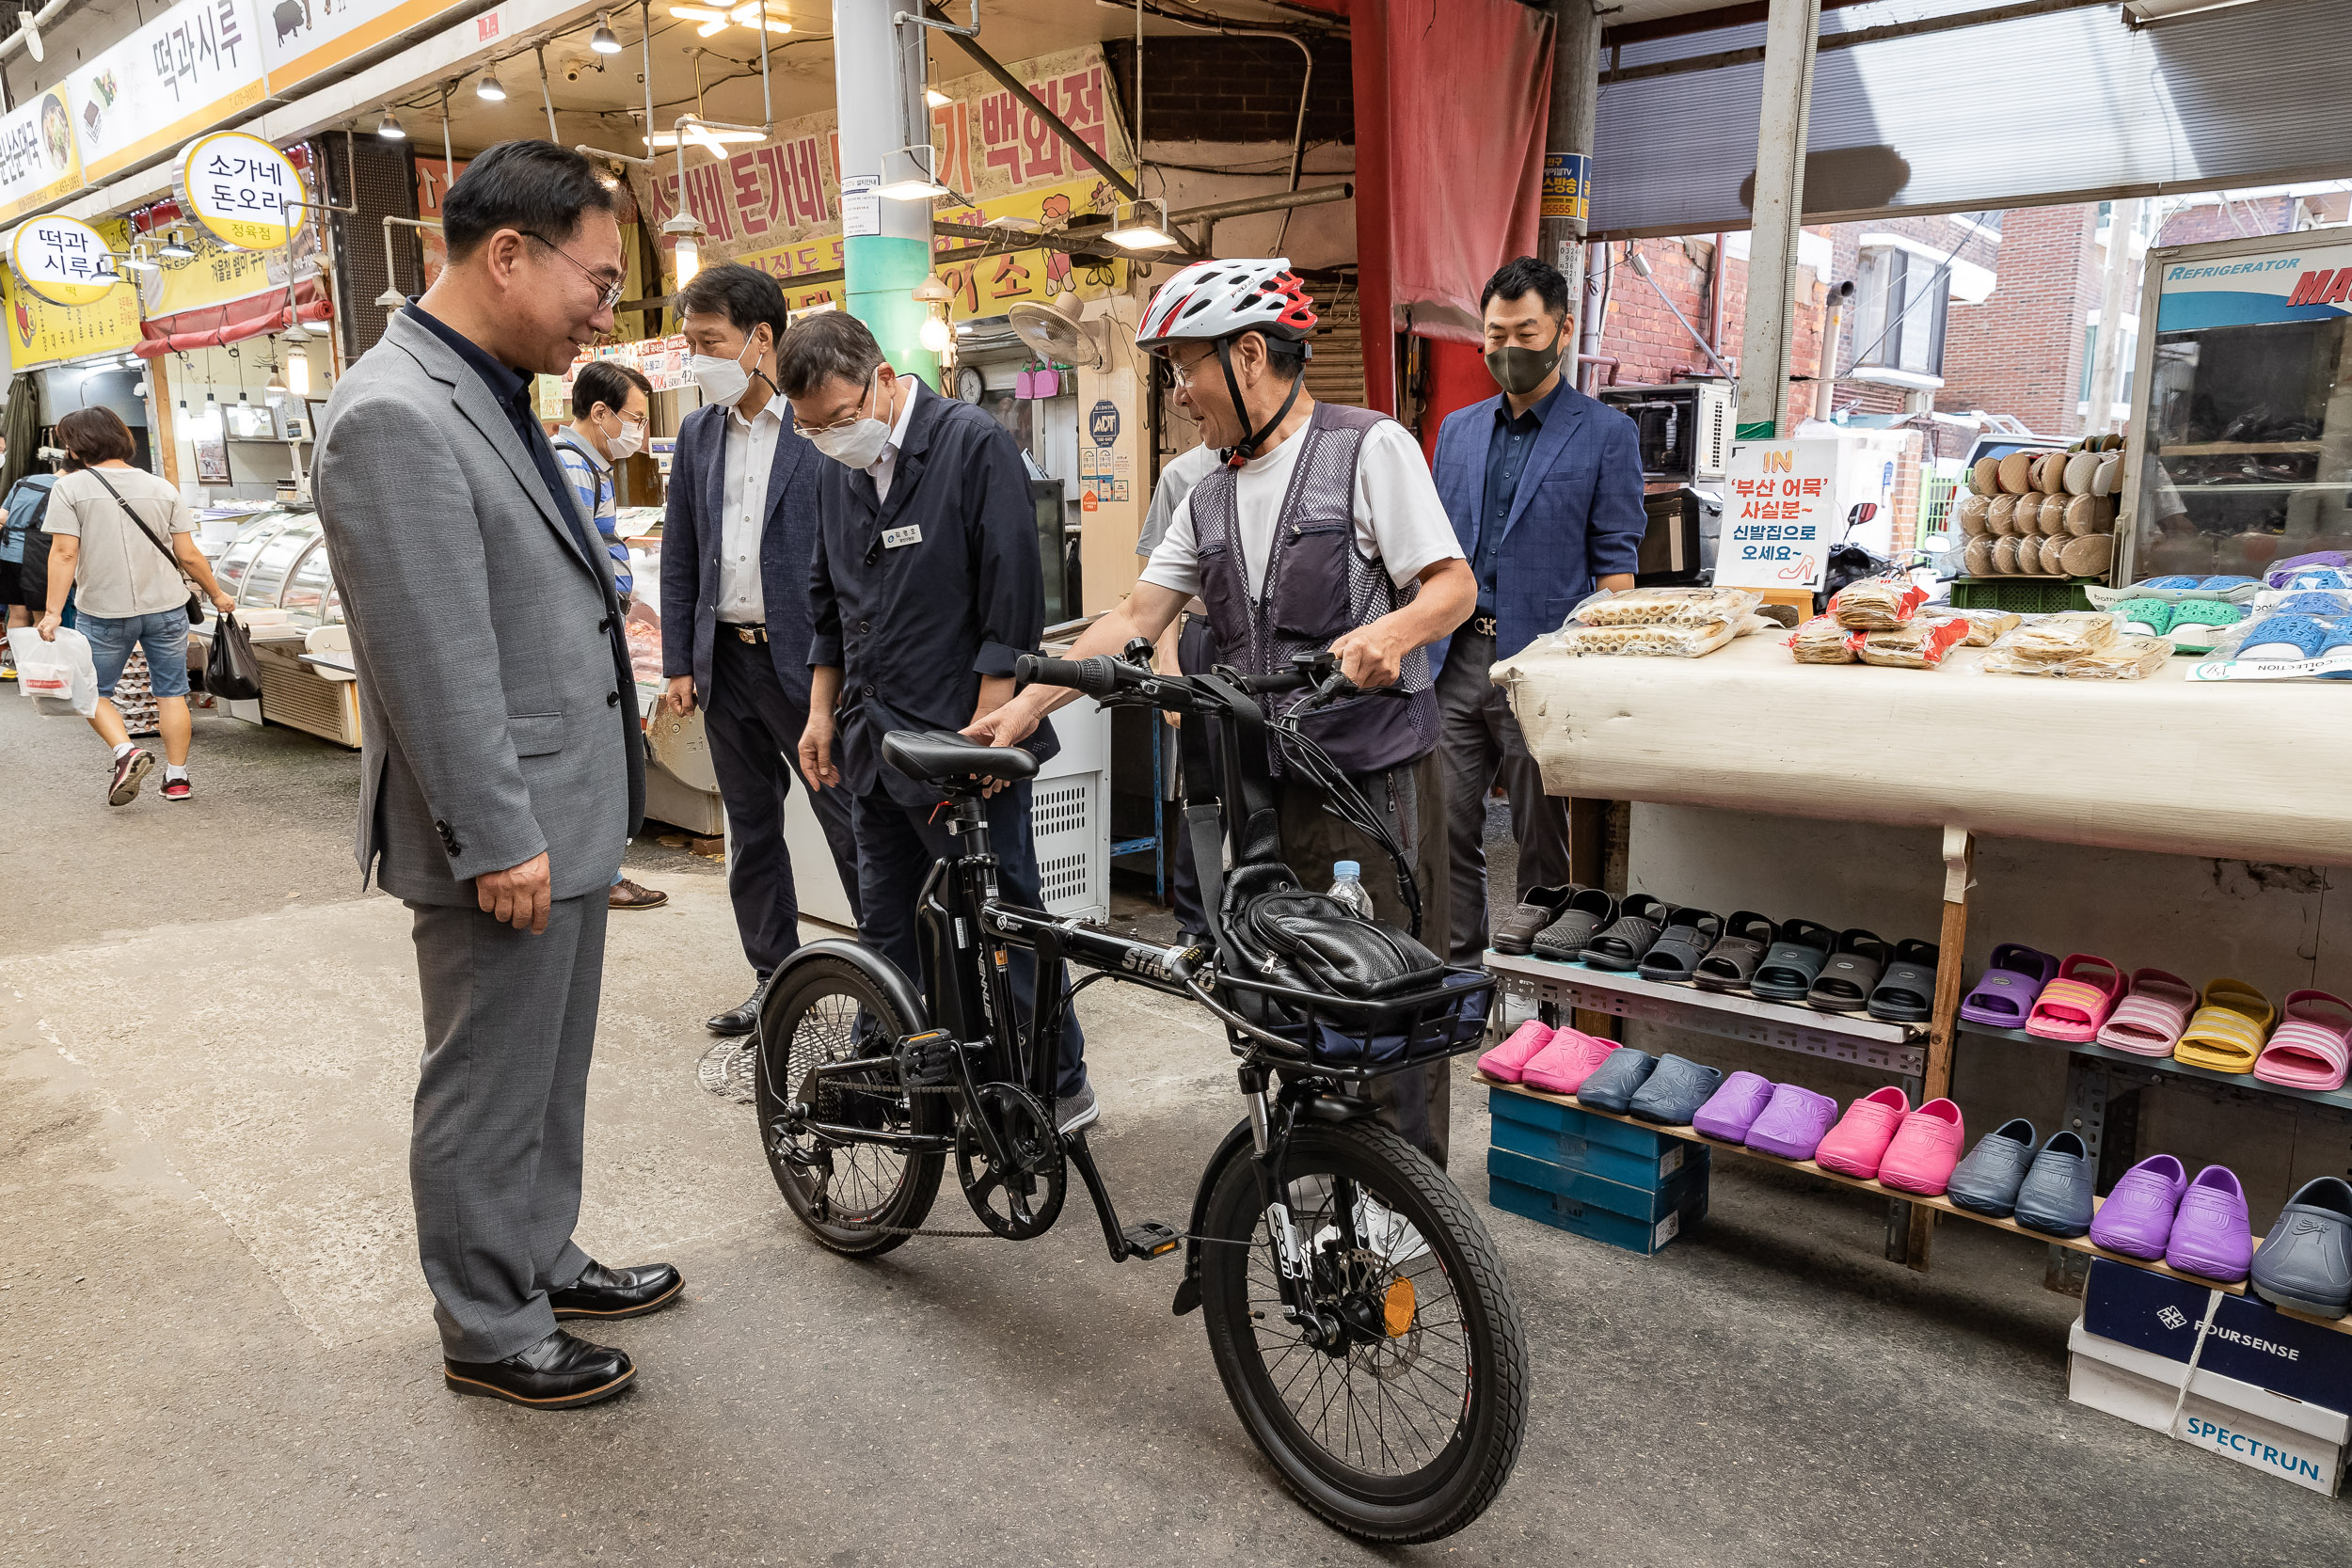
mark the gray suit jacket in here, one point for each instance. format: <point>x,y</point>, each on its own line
<point>496,722</point>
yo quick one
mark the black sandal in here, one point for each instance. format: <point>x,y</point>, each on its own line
<point>1688,937</point>
<point>1515,932</point>
<point>1640,918</point>
<point>1793,962</point>
<point>1730,964</point>
<point>1587,910</point>
<point>1846,981</point>
<point>1906,992</point>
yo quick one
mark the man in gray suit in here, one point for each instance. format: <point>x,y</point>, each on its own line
<point>502,768</point>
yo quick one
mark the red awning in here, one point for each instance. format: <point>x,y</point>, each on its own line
<point>218,326</point>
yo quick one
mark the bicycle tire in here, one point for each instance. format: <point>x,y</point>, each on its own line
<point>881,1216</point>
<point>1470,1470</point>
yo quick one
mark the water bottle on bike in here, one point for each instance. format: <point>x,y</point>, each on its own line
<point>1347,886</point>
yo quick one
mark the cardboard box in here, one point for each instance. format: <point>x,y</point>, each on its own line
<point>2294,1441</point>
<point>2249,1341</point>
<point>1640,1219</point>
<point>1563,1135</point>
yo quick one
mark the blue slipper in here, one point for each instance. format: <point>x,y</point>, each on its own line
<point>2308,635</point>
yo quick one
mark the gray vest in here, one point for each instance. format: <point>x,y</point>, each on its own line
<point>1317,586</point>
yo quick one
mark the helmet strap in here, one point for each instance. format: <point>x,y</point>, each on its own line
<point>1246,447</point>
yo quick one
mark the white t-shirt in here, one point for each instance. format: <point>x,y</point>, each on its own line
<point>1399,517</point>
<point>1187,470</point>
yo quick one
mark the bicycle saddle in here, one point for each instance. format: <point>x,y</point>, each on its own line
<point>936,756</point>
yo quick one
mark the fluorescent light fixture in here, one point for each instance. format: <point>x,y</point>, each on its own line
<point>759,13</point>
<point>1016,226</point>
<point>700,135</point>
<point>298,371</point>
<point>603,42</point>
<point>488,88</point>
<point>1142,226</point>
<point>916,180</point>
<point>712,29</point>
<point>936,98</point>
<point>697,13</point>
<point>390,127</point>
<point>175,247</point>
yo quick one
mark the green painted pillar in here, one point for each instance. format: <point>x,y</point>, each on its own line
<point>878,83</point>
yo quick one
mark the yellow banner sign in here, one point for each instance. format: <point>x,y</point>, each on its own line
<point>41,333</point>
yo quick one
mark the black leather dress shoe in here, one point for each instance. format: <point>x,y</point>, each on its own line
<point>556,1373</point>
<point>602,1293</point>
<point>742,1020</point>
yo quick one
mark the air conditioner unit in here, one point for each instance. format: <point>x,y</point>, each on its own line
<point>1686,427</point>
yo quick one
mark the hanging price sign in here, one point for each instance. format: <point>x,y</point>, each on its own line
<point>241,189</point>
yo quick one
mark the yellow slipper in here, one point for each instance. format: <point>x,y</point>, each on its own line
<point>2227,1033</point>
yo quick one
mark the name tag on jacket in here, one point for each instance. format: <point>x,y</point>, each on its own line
<point>895,537</point>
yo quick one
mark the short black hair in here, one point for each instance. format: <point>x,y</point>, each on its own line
<point>606,381</point>
<point>745,296</point>
<point>1526,275</point>
<point>92,435</point>
<point>830,346</point>
<point>534,186</point>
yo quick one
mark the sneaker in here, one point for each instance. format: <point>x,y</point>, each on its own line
<point>178,789</point>
<point>1381,1231</point>
<point>125,774</point>
<point>1073,1111</point>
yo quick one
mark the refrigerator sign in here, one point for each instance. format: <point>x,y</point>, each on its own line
<point>2314,284</point>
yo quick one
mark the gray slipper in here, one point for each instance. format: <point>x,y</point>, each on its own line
<point>2054,1199</point>
<point>1673,1091</point>
<point>1986,1182</point>
<point>1613,1085</point>
<point>2305,1263</point>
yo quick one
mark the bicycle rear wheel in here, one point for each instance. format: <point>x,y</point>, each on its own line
<point>1398,1417</point>
<point>858,1200</point>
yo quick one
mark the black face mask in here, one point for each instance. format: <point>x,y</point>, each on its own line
<point>1521,371</point>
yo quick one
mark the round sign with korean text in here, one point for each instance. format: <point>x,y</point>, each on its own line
<point>63,260</point>
<point>244,191</point>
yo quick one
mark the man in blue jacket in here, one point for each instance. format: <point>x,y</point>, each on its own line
<point>1544,487</point>
<point>736,544</point>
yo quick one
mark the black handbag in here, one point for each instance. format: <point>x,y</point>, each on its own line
<point>230,670</point>
<point>196,599</point>
<point>1291,936</point>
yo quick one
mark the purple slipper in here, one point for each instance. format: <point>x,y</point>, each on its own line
<point>2010,985</point>
<point>2210,1235</point>
<point>1790,1127</point>
<point>2137,1218</point>
<point>1733,1109</point>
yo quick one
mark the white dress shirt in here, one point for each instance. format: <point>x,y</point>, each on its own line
<point>885,468</point>
<point>750,453</point>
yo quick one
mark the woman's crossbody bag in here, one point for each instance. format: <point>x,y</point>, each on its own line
<point>195,600</point>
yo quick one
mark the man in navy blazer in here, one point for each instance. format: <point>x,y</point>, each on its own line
<point>1544,485</point>
<point>736,545</point>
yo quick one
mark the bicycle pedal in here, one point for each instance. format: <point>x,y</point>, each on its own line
<point>1150,1239</point>
<point>927,1060</point>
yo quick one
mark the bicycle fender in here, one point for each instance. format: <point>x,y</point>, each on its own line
<point>1238,1145</point>
<point>886,976</point>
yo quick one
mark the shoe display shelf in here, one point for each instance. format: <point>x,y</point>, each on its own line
<point>2081,1245</point>
<point>1898,1050</point>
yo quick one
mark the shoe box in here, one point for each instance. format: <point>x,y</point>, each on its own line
<point>2298,1443</point>
<point>1625,1186</point>
<point>2249,1340</point>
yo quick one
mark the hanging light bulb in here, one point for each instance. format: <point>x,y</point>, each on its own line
<point>935,334</point>
<point>690,259</point>
<point>390,127</point>
<point>488,87</point>
<point>276,385</point>
<point>298,371</point>
<point>604,42</point>
<point>210,421</point>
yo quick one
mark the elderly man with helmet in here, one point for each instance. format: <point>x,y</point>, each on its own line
<point>1321,529</point>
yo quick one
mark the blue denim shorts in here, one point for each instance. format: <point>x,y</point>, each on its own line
<point>163,636</point>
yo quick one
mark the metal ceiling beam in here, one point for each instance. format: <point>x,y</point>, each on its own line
<point>1855,39</point>
<point>1029,100</point>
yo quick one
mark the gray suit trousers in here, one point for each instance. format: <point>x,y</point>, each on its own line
<point>494,1163</point>
<point>1480,741</point>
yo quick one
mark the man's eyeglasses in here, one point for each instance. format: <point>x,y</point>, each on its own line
<point>1173,375</point>
<point>613,287</point>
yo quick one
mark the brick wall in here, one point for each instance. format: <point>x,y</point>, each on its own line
<point>1236,90</point>
<point>2020,351</point>
<point>2269,214</point>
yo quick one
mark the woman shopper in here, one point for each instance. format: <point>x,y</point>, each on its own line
<point>126,540</point>
<point>609,408</point>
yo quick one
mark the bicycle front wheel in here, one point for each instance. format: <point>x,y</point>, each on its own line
<point>864,1198</point>
<point>1395,1409</point>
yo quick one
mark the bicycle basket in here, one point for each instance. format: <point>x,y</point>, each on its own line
<point>1353,1039</point>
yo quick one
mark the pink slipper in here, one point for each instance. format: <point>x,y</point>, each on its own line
<point>2309,1050</point>
<point>1505,1061</point>
<point>1562,1066</point>
<point>2149,1020</point>
<point>1856,1145</point>
<point>1925,1148</point>
<point>2072,1006</point>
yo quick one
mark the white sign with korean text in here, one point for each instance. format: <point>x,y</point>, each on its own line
<point>38,162</point>
<point>195,65</point>
<point>241,188</point>
<point>1780,514</point>
<point>62,259</point>
<point>302,37</point>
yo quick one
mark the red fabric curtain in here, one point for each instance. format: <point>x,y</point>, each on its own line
<point>1451,102</point>
<point>218,326</point>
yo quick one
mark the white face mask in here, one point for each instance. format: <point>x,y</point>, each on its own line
<point>723,381</point>
<point>858,444</point>
<point>629,443</point>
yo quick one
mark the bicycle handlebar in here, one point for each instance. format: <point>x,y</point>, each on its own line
<point>1100,676</point>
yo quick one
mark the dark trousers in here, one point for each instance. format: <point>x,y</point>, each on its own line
<point>754,727</point>
<point>1479,740</point>
<point>1418,1101</point>
<point>896,847</point>
<point>1196,651</point>
<point>494,1157</point>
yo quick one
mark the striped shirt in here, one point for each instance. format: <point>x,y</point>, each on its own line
<point>591,478</point>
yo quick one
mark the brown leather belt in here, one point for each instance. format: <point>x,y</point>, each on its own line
<point>746,633</point>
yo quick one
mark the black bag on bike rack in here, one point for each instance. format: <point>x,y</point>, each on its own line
<point>1311,940</point>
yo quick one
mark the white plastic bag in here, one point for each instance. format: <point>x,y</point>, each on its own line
<point>62,670</point>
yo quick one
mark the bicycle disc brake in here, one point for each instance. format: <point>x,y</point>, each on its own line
<point>1024,1199</point>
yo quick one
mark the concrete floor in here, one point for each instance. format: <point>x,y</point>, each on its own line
<point>218,1347</point>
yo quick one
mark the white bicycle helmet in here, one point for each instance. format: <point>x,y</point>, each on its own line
<point>1218,299</point>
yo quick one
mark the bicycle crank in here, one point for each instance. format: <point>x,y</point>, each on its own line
<point>1023,1197</point>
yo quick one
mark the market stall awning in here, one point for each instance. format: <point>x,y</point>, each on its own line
<point>218,326</point>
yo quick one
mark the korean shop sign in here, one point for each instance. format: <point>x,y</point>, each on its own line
<point>38,162</point>
<point>63,260</point>
<point>241,189</point>
<point>1780,514</point>
<point>192,66</point>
